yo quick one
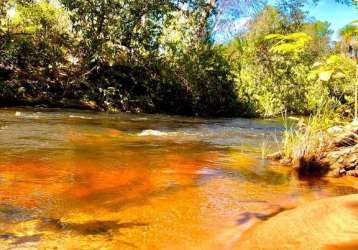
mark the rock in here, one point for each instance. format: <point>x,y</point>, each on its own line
<point>21,90</point>
<point>353,173</point>
<point>286,161</point>
<point>345,140</point>
<point>325,224</point>
<point>335,130</point>
<point>335,173</point>
<point>337,155</point>
<point>342,171</point>
<point>275,156</point>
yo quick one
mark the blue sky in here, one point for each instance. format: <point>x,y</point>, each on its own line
<point>326,10</point>
<point>337,14</point>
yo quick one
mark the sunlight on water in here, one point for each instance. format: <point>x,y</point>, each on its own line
<point>82,180</point>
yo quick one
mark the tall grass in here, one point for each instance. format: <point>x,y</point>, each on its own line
<point>309,138</point>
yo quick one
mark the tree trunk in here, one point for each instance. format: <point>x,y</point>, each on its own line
<point>205,18</point>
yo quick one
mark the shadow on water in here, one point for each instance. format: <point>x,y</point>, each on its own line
<point>318,184</point>
<point>88,228</point>
<point>247,216</point>
<point>18,240</point>
<point>256,174</point>
<point>311,166</point>
<point>13,214</point>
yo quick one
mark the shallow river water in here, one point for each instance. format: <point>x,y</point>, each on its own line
<point>85,180</point>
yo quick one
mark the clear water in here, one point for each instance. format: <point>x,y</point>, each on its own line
<point>86,180</point>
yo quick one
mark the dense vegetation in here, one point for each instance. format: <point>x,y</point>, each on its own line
<point>160,56</point>
<point>285,63</point>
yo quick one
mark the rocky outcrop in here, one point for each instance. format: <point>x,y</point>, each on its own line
<point>338,155</point>
<point>335,155</point>
<point>325,225</point>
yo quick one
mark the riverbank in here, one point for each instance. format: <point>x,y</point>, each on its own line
<point>331,152</point>
<point>35,93</point>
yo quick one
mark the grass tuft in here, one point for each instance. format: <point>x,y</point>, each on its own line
<point>309,135</point>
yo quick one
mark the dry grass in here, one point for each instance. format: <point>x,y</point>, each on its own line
<point>309,137</point>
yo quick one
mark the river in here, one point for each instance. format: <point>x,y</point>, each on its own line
<point>86,180</point>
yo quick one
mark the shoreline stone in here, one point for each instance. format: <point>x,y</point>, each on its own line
<point>336,157</point>
<point>330,223</point>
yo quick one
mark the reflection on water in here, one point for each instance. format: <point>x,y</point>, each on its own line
<point>83,180</point>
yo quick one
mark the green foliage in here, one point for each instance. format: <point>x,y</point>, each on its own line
<point>119,55</point>
<point>271,71</point>
<point>36,35</point>
<point>274,65</point>
<point>293,43</point>
<point>208,69</point>
<point>335,67</point>
<point>320,45</point>
<point>112,29</point>
<point>349,31</point>
<point>333,83</point>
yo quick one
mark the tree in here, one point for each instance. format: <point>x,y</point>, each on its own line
<point>214,14</point>
<point>110,29</point>
<point>349,35</point>
<point>271,64</point>
<point>320,33</point>
<point>333,78</point>
<point>293,13</point>
<point>37,34</point>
